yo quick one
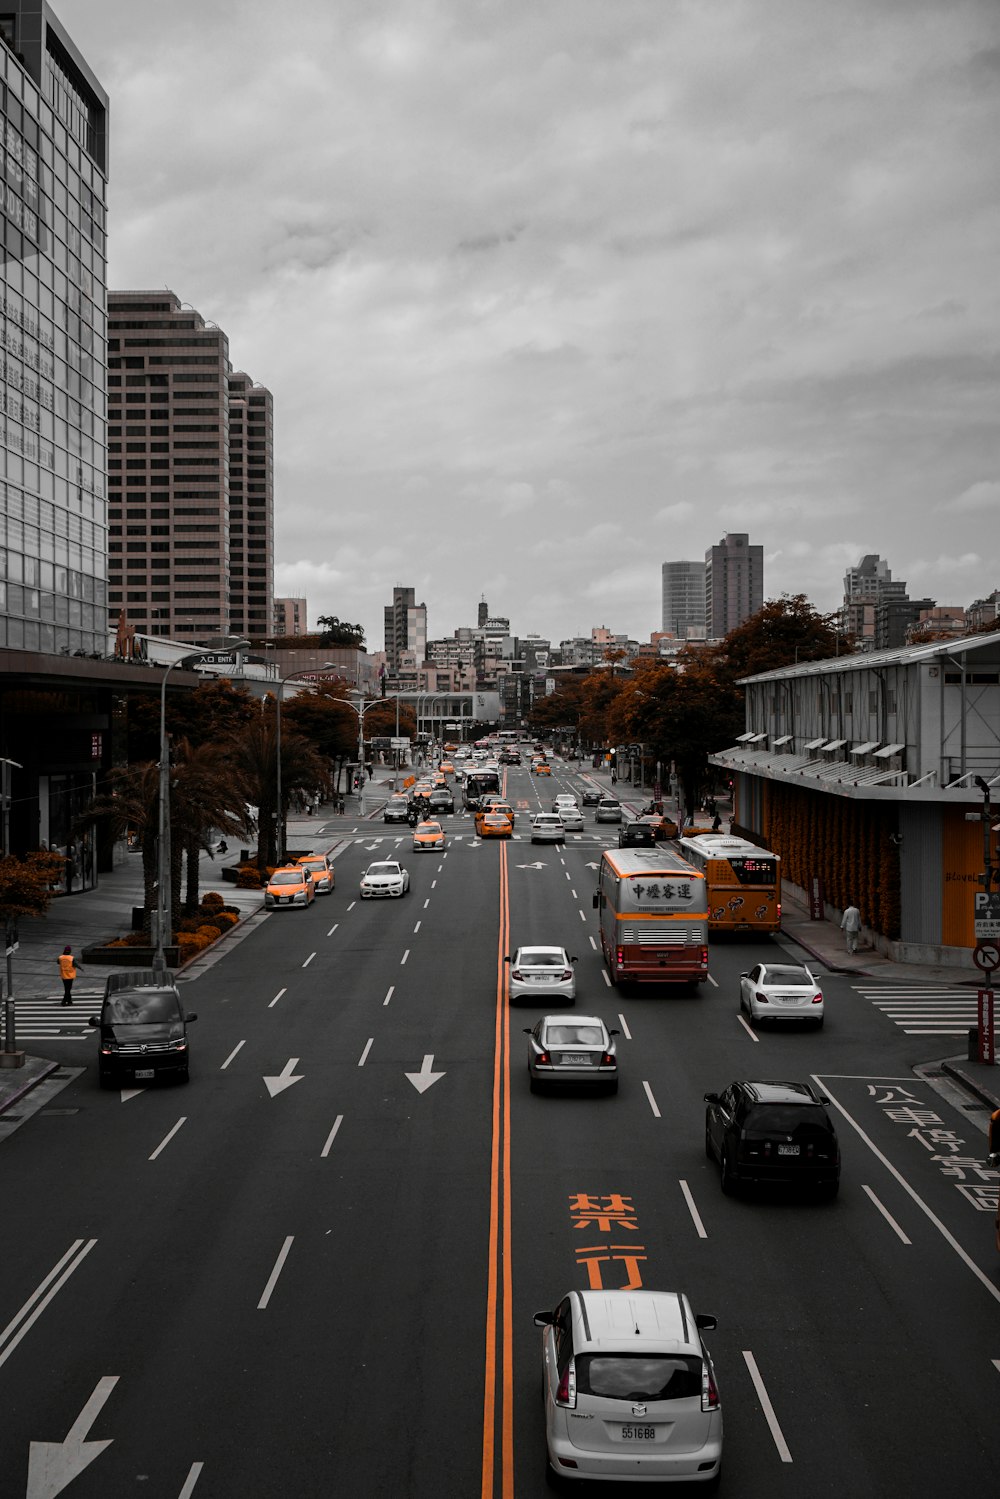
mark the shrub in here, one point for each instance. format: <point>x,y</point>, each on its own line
<point>210,933</point>
<point>232,911</point>
<point>225,920</point>
<point>190,923</point>
<point>190,943</point>
<point>213,898</point>
<point>247,877</point>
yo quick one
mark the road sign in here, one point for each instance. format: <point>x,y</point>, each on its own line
<point>986,1033</point>
<point>986,956</point>
<point>986,914</point>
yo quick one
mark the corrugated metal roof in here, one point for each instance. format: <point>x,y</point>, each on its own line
<point>862,659</point>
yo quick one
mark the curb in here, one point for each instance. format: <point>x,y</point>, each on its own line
<point>953,1068</point>
<point>26,1087</point>
<point>828,963</point>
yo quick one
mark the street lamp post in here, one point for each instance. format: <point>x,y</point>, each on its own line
<point>280,833</point>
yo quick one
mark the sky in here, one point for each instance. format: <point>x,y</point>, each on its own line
<point>549,292</point>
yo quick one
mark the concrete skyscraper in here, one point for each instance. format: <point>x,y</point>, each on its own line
<point>405,628</point>
<point>53,510</point>
<point>189,476</point>
<point>684,599</point>
<point>734,583</point>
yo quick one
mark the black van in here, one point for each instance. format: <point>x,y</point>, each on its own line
<point>143,1029</point>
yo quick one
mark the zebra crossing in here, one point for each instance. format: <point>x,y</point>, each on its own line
<point>45,1018</point>
<point>924,1009</point>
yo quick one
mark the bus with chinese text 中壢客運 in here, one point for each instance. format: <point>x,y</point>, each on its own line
<point>653,910</point>
<point>744,882</point>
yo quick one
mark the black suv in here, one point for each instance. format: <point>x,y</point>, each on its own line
<point>772,1132</point>
<point>143,1029</point>
<point>636,835</point>
<point>442,799</point>
<point>396,809</point>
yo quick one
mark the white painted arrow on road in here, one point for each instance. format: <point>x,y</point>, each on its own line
<point>533,866</point>
<point>423,1079</point>
<point>54,1465</point>
<point>287,1077</point>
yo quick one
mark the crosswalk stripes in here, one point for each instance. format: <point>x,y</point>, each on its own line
<point>47,1019</point>
<point>924,1009</point>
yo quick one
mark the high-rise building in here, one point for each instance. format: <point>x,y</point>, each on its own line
<point>53,507</point>
<point>866,587</point>
<point>251,507</point>
<point>405,628</point>
<point>289,617</point>
<point>734,583</point>
<point>683,599</point>
<point>189,476</point>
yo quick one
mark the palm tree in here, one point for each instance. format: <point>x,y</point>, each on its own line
<point>253,756</point>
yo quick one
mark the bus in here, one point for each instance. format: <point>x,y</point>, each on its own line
<point>744,882</point>
<point>653,909</point>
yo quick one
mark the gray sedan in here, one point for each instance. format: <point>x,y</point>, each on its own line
<point>572,1049</point>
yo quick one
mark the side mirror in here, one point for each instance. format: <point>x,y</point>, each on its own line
<point>823,1098</point>
<point>711,1098</point>
<point>507,959</point>
<point>614,1032</point>
<point>706,1322</point>
<point>744,975</point>
<point>574,959</point>
<point>192,1015</point>
<point>597,900</point>
<point>544,1319</point>
<point>526,1029</point>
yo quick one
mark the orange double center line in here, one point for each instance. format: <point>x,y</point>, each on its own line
<point>499,1298</point>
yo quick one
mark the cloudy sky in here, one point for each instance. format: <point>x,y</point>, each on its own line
<point>551,291</point>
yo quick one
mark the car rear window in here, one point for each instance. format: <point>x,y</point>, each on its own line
<point>786,1118</point>
<point>633,1376</point>
<point>786,975</point>
<point>574,1035</point>
<point>533,958</point>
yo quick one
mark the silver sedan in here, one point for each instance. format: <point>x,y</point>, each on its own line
<point>544,973</point>
<point>572,1049</point>
<point>780,992</point>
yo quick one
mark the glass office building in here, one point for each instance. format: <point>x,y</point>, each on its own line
<point>53,448</point>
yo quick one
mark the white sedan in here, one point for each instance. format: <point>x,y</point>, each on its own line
<point>780,992</point>
<point>571,818</point>
<point>384,878</point>
<point>541,972</point>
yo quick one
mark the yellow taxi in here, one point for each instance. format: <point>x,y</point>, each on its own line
<point>422,788</point>
<point>289,887</point>
<point>494,803</point>
<point>440,779</point>
<point>493,824</point>
<point>321,870</point>
<point>428,835</point>
<point>663,827</point>
<point>447,768</point>
<point>543,768</point>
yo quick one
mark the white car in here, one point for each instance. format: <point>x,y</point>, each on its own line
<point>542,972</point>
<point>384,878</point>
<point>608,810</point>
<point>546,827</point>
<point>575,1049</point>
<point>780,992</point>
<point>629,1388</point>
<point>564,799</point>
<point>571,819</point>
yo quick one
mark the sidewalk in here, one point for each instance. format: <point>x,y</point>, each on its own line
<point>97,915</point>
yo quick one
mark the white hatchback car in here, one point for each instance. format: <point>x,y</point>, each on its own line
<point>542,972</point>
<point>781,992</point>
<point>629,1388</point>
<point>385,878</point>
<point>571,819</point>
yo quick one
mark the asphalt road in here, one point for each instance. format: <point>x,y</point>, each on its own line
<point>324,1287</point>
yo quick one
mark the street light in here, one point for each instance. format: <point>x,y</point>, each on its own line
<point>279,831</point>
<point>164,900</point>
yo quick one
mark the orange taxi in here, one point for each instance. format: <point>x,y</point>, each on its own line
<point>447,768</point>
<point>493,824</point>
<point>292,886</point>
<point>321,870</point>
<point>663,827</point>
<point>543,768</point>
<point>493,803</point>
<point>428,835</point>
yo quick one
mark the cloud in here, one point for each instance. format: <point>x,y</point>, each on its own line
<point>983,495</point>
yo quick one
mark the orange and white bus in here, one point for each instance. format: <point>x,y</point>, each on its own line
<point>653,909</point>
<point>744,882</point>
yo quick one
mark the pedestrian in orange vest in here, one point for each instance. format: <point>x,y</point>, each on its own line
<point>67,972</point>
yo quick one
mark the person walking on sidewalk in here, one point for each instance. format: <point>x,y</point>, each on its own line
<point>67,972</point>
<point>850,924</point>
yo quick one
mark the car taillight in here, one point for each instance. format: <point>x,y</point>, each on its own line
<point>516,973</point>
<point>709,1389</point>
<point>778,909</point>
<point>619,956</point>
<point>761,999</point>
<point>608,1059</point>
<point>543,1056</point>
<point>704,957</point>
<point>566,1393</point>
<point>817,999</point>
<point>567,973</point>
